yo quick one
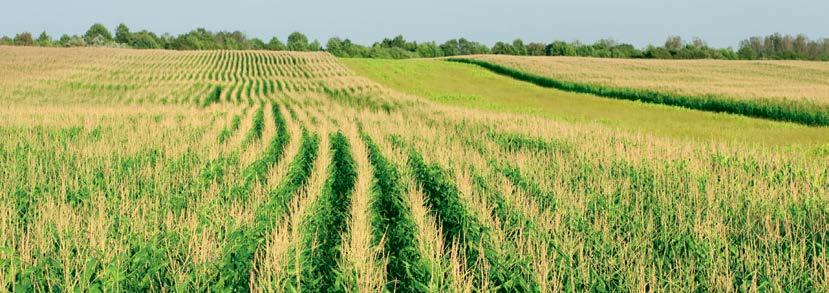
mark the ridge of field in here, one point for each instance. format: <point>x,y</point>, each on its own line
<point>152,193</point>
<point>783,79</point>
<point>473,87</point>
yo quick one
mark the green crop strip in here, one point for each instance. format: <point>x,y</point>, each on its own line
<point>544,199</point>
<point>237,93</point>
<point>514,142</point>
<point>236,263</point>
<point>444,201</point>
<point>322,241</point>
<point>257,171</point>
<point>249,92</point>
<point>801,112</point>
<point>213,96</point>
<point>393,224</point>
<point>508,216</point>
<point>256,129</point>
<point>228,131</point>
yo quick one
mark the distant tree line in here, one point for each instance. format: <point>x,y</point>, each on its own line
<point>775,46</point>
<point>199,39</point>
<point>399,48</point>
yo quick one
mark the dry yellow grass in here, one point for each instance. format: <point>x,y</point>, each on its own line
<point>735,79</point>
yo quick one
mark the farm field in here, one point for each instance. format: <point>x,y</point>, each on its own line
<point>720,93</point>
<point>149,170</point>
<point>800,80</point>
<point>473,87</point>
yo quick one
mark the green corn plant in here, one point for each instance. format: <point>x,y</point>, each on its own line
<point>444,200</point>
<point>235,264</point>
<point>323,236</point>
<point>256,129</point>
<point>393,224</point>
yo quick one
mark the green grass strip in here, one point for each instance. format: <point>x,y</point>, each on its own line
<point>237,261</point>
<point>801,112</point>
<point>322,243</point>
<point>393,224</point>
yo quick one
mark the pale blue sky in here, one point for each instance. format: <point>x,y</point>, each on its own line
<point>720,22</point>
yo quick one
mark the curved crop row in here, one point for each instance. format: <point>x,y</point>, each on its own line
<point>226,132</point>
<point>213,96</point>
<point>800,112</point>
<point>236,262</point>
<point>444,200</point>
<point>394,226</point>
<point>256,129</point>
<point>257,171</point>
<point>514,142</point>
<point>323,239</point>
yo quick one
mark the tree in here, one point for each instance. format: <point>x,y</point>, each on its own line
<point>605,44</point>
<point>276,45</point>
<point>256,44</point>
<point>746,51</point>
<point>729,54</point>
<point>536,49</point>
<point>97,30</point>
<point>519,48</point>
<point>601,53</point>
<point>657,53</point>
<point>429,50</point>
<point>625,51</point>
<point>23,39</point>
<point>44,40</point>
<point>122,34</point>
<point>144,40</point>
<point>198,39</point>
<point>354,50</point>
<point>235,40</point>
<point>674,44</point>
<point>76,41</point>
<point>297,42</point>
<point>336,48</point>
<point>583,50</point>
<point>6,41</point>
<point>699,43</point>
<point>501,48</point>
<point>450,48</point>
<point>64,40</point>
<point>467,47</point>
<point>561,48</point>
<point>98,41</point>
<point>315,46</point>
<point>400,42</point>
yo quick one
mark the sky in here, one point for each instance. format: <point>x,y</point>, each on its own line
<point>722,23</point>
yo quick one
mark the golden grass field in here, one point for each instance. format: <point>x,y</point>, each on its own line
<point>123,172</point>
<point>794,80</point>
